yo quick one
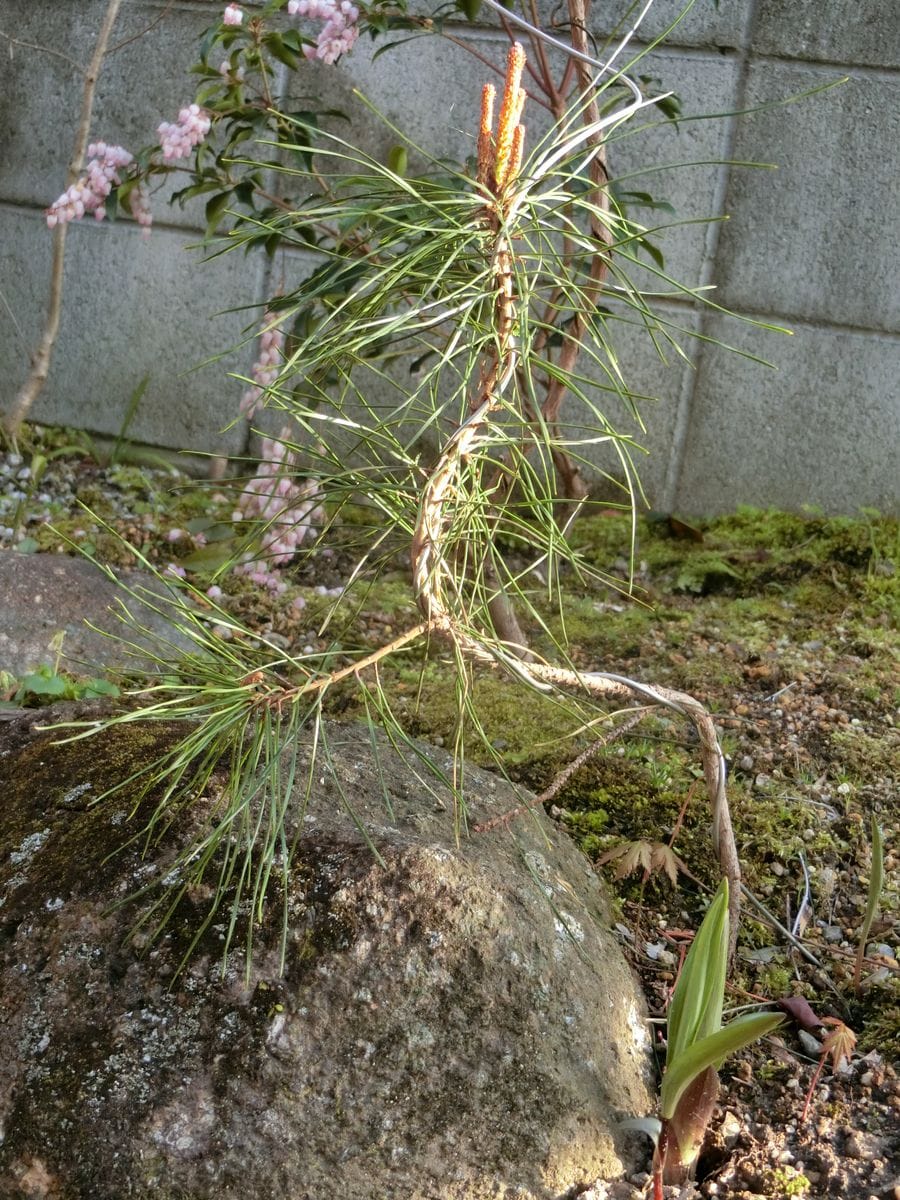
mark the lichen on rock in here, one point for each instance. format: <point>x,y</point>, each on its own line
<point>454,1020</point>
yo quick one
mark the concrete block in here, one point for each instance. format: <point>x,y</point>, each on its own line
<point>705,24</point>
<point>145,82</point>
<point>823,429</point>
<point>866,33</point>
<point>132,307</point>
<point>660,382</point>
<point>816,240</point>
<point>444,119</point>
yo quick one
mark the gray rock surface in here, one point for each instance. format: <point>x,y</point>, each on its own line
<point>455,1022</point>
<point>42,595</point>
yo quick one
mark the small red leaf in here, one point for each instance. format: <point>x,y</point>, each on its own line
<point>800,1012</point>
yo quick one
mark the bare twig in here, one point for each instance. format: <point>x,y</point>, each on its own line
<point>40,363</point>
<point>600,743</point>
<point>782,929</point>
<point>136,37</point>
<point>560,780</point>
<point>76,66</point>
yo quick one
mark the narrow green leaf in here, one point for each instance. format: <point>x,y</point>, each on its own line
<point>876,884</point>
<point>709,1052</point>
<point>696,1009</point>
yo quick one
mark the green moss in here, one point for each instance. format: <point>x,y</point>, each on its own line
<point>786,1181</point>
<point>587,829</point>
<point>863,756</point>
<point>753,550</point>
<point>64,781</point>
<point>775,981</point>
<point>499,721</point>
<point>878,1020</point>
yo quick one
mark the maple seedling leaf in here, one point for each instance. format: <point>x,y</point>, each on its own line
<point>649,856</point>
<point>664,858</point>
<point>839,1042</point>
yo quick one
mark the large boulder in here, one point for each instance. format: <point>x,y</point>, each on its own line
<point>453,1021</point>
<point>44,595</point>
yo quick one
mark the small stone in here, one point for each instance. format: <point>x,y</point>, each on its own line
<point>853,1147</point>
<point>746,763</point>
<point>879,949</point>
<point>833,933</point>
<point>810,1044</point>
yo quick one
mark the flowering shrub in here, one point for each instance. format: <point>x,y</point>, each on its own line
<point>89,193</point>
<point>339,32</point>
<point>235,106</point>
<point>268,363</point>
<point>287,512</point>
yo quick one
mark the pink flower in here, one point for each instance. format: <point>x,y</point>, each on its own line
<point>264,371</point>
<point>178,138</point>
<point>87,194</point>
<point>233,15</point>
<point>287,509</point>
<point>140,209</point>
<point>229,74</point>
<point>339,32</point>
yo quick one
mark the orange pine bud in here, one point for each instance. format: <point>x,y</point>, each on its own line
<point>520,105</point>
<point>488,92</point>
<point>485,134</point>
<point>510,111</point>
<point>515,159</point>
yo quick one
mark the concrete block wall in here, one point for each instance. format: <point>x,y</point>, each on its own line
<point>811,246</point>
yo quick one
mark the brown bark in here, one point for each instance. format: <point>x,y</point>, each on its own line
<point>40,362</point>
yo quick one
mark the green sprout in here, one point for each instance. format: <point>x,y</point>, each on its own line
<point>698,1043</point>
<point>876,883</point>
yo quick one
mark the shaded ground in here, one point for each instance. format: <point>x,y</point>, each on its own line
<point>786,627</point>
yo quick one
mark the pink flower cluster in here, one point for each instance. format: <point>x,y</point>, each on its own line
<point>178,138</point>
<point>233,15</point>
<point>265,369</point>
<point>88,194</point>
<point>339,32</point>
<point>287,510</point>
<point>231,74</point>
<point>140,209</point>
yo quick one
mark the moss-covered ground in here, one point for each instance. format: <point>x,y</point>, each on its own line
<point>784,625</point>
